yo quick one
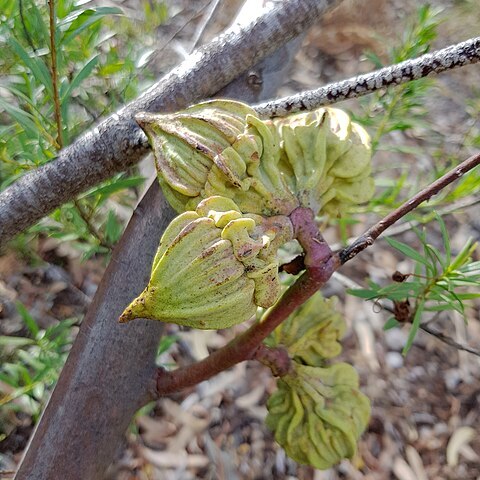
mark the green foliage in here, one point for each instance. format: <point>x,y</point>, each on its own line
<point>30,365</point>
<point>398,109</point>
<point>440,281</point>
<point>402,107</point>
<point>98,53</point>
<point>89,222</point>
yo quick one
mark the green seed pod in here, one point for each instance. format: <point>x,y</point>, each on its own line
<point>318,414</point>
<point>221,148</point>
<point>213,267</point>
<point>326,160</point>
<point>312,333</point>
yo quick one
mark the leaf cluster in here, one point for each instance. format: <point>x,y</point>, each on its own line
<point>440,282</point>
<point>31,364</point>
<point>101,64</point>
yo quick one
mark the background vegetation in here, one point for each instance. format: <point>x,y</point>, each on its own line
<point>103,60</point>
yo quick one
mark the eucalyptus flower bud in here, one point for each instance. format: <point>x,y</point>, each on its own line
<point>219,147</point>
<point>318,414</point>
<point>312,333</point>
<point>326,160</point>
<point>213,267</point>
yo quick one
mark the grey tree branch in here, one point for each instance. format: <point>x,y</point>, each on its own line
<point>106,377</point>
<point>117,142</point>
<point>455,56</point>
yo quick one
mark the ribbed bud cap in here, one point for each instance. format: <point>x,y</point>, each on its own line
<point>318,414</point>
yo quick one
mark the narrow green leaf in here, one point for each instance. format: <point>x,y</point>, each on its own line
<point>27,319</point>
<point>468,296</point>
<point>30,360</point>
<point>62,328</point>
<point>24,119</point>
<point>38,69</point>
<point>436,255</point>
<point>445,237</point>
<point>449,298</point>
<point>441,307</point>
<point>404,290</point>
<point>463,255</point>
<point>392,322</point>
<point>415,325</point>
<point>166,342</point>
<point>113,228</point>
<point>362,293</point>
<point>7,341</point>
<point>465,282</point>
<point>406,250</point>
<point>80,77</point>
<point>120,184</point>
<point>80,21</point>
<point>471,268</point>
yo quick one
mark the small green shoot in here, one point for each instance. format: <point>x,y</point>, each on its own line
<point>440,281</point>
<point>31,365</point>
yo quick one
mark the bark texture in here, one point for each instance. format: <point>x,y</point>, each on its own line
<point>117,142</point>
<point>110,372</point>
<point>454,56</point>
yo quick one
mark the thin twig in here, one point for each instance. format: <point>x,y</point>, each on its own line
<point>369,237</point>
<point>454,56</point>
<point>53,54</point>
<point>90,227</point>
<point>406,226</point>
<point>449,341</point>
<point>204,23</point>
<point>349,283</point>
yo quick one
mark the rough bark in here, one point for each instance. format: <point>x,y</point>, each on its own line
<point>454,56</point>
<point>109,372</point>
<point>117,142</point>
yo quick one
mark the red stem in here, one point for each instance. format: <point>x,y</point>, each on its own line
<point>277,359</point>
<point>53,53</point>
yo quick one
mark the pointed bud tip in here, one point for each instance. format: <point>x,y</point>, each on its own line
<point>125,317</point>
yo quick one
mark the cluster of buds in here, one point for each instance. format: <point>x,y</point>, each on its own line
<point>236,178</point>
<point>318,412</point>
<point>236,181</point>
<point>319,160</point>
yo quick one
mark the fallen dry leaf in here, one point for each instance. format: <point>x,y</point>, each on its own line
<point>461,436</point>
